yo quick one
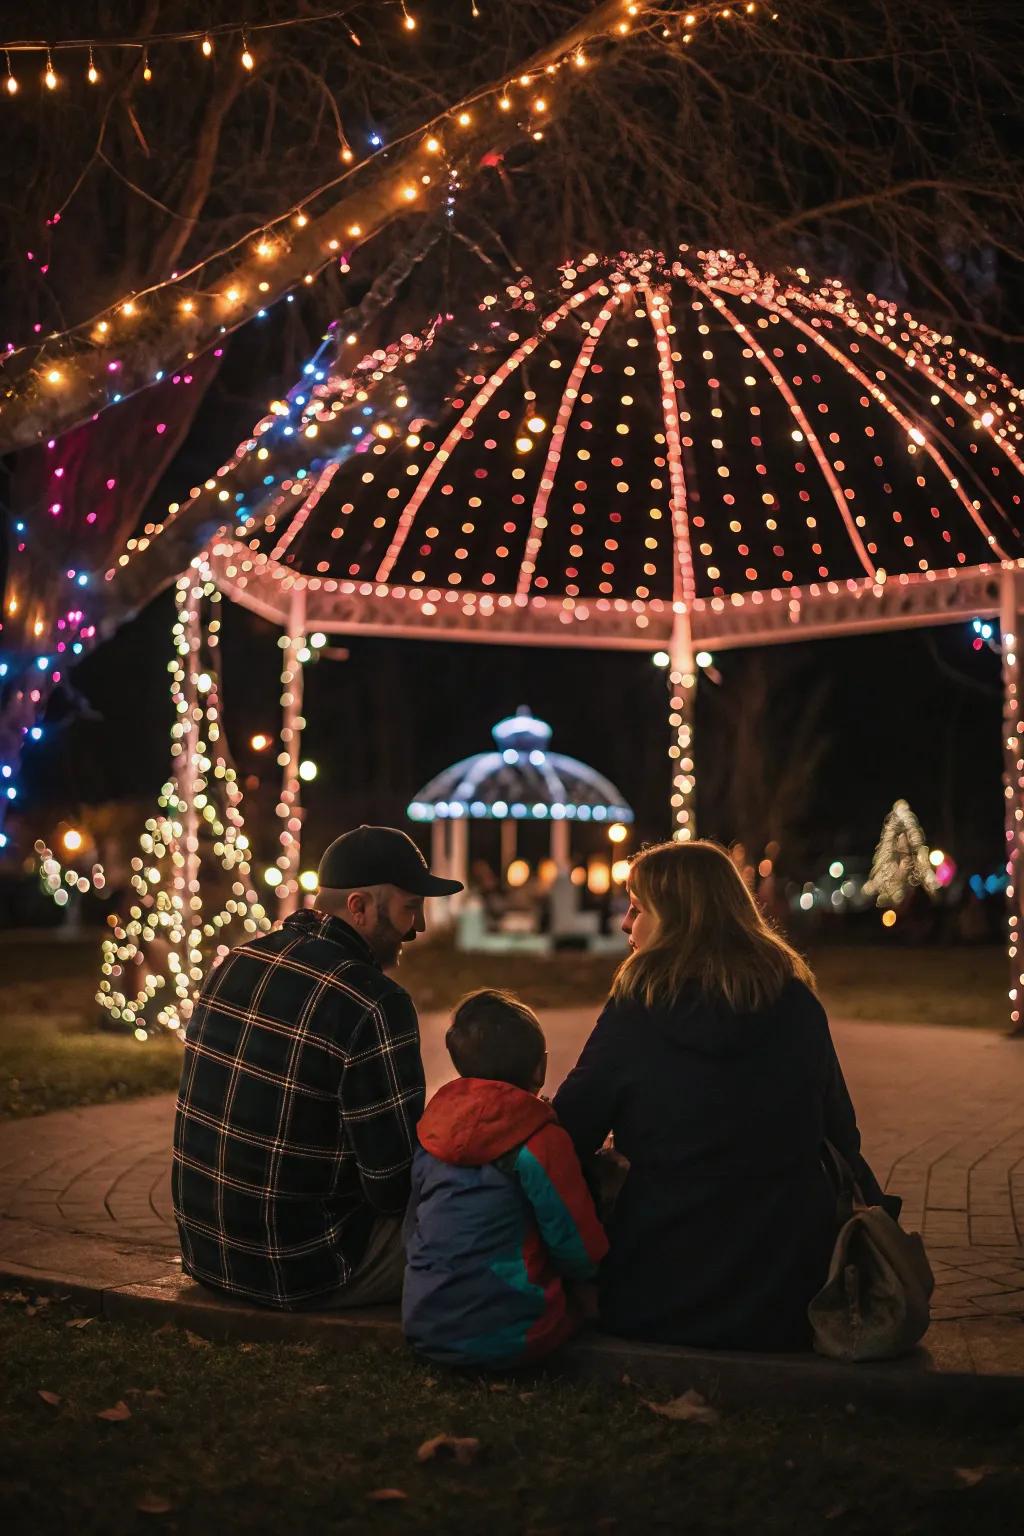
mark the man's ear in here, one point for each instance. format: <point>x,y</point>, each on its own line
<point>358,905</point>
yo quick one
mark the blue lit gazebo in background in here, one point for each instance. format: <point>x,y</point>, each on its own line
<point>520,780</point>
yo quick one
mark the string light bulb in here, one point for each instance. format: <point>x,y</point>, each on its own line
<point>92,73</point>
<point>207,46</point>
<point>12,84</point>
<point>248,62</point>
<point>50,76</point>
<point>147,72</point>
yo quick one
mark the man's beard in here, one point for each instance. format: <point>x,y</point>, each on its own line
<point>386,942</point>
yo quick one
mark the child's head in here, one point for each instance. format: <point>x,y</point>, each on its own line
<point>493,1034</point>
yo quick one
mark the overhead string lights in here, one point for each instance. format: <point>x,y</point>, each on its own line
<point>97,362</point>
<point>141,47</point>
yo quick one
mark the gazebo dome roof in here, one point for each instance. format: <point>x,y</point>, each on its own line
<point>521,780</point>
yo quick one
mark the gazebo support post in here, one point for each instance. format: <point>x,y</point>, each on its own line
<point>508,846</point>
<point>438,848</point>
<point>682,681</point>
<point>561,856</point>
<point>458,832</point>
<point>290,808</point>
<point>439,908</point>
<point>1013,788</point>
<point>189,882</point>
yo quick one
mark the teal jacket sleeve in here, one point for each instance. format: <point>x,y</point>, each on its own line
<point>550,1176</point>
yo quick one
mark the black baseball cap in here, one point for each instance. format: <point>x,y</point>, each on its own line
<point>380,856</point>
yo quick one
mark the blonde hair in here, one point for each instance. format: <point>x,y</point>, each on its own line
<point>710,933</point>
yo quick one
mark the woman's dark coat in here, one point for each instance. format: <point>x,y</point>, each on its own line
<point>724,1229</point>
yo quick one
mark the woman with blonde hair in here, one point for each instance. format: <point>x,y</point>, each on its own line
<point>713,1067</point>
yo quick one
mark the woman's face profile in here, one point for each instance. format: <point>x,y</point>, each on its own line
<point>639,924</point>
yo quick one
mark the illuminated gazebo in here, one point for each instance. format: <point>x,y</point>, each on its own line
<point>522,780</point>
<point>666,453</point>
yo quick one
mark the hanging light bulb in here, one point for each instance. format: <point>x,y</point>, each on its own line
<point>92,73</point>
<point>147,73</point>
<point>248,62</point>
<point>50,76</point>
<point>207,46</point>
<point>12,84</point>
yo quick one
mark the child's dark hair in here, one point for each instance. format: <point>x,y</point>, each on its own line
<point>494,1035</point>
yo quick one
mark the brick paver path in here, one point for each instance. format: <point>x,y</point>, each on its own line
<point>941,1113</point>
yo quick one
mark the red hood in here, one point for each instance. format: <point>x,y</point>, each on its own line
<point>473,1121</point>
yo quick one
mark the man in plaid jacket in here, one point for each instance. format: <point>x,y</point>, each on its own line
<point>301,1088</point>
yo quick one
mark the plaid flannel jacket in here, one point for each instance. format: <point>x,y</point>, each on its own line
<point>301,1088</point>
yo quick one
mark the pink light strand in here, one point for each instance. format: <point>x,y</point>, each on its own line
<point>404,525</point>
<point>684,587</point>
<point>301,517</point>
<point>538,520</point>
<point>797,412</point>
<point>879,394</point>
<point>867,333</point>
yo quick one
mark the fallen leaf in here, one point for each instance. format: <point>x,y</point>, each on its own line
<point>53,1398</point>
<point>462,1451</point>
<point>247,1349</point>
<point>691,1407</point>
<point>79,1322</point>
<point>117,1414</point>
<point>154,1504</point>
<point>386,1495</point>
<point>970,1477</point>
<point>196,1340</point>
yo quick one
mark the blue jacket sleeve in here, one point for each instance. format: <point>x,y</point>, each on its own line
<point>585,1104</point>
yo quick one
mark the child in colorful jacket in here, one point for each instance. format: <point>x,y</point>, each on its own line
<point>501,1221</point>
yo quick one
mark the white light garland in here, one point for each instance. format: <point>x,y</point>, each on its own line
<point>158,955</point>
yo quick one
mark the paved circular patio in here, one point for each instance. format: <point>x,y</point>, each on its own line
<point>85,1194</point>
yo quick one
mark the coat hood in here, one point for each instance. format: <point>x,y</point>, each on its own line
<point>474,1120</point>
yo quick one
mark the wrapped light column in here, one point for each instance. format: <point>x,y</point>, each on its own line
<point>682,682</point>
<point>1013,787</point>
<point>289,809</point>
<point>187,778</point>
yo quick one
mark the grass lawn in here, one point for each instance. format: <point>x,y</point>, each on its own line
<point>54,1054</point>
<point>271,1438</point>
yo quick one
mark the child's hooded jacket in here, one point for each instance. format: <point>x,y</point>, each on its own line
<point>499,1215</point>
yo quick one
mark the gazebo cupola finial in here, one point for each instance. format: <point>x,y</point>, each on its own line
<point>522,732</point>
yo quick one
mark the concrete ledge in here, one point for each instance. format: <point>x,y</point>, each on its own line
<point>963,1366</point>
